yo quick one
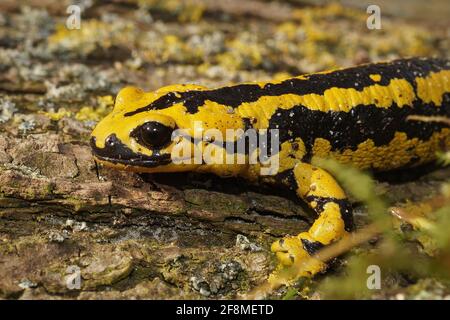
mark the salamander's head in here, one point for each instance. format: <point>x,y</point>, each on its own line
<point>159,131</point>
<point>135,137</point>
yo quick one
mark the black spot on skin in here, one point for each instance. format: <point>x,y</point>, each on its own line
<point>356,77</point>
<point>312,247</point>
<point>345,207</point>
<point>117,152</point>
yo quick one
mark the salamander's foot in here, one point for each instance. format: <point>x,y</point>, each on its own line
<point>324,195</point>
<point>295,261</point>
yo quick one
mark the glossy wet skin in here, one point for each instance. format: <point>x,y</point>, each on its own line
<point>142,141</point>
<point>358,116</point>
<point>326,114</point>
<point>330,114</point>
<point>135,143</point>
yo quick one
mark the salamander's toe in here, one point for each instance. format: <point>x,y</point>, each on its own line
<point>293,261</point>
<point>287,250</point>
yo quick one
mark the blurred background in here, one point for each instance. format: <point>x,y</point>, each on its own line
<point>151,43</point>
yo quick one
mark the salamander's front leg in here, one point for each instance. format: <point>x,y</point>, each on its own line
<point>323,194</point>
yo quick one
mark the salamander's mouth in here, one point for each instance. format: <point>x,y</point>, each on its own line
<point>117,152</point>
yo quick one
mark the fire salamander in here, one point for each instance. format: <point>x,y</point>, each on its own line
<point>358,116</point>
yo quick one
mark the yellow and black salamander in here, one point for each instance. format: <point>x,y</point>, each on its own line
<point>357,116</point>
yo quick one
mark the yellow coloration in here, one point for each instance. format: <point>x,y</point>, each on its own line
<point>375,77</point>
<point>321,147</point>
<point>105,101</point>
<point>316,182</point>
<point>88,113</point>
<point>331,10</point>
<point>399,152</point>
<point>289,29</point>
<point>294,262</point>
<point>432,87</point>
<point>186,11</point>
<point>329,227</point>
<point>90,35</point>
<point>291,252</point>
<point>126,96</point>
<point>281,76</point>
<point>210,116</point>
<point>85,113</point>
<point>242,53</point>
<point>398,91</point>
<point>217,116</point>
<point>127,125</point>
<point>312,184</point>
<point>58,115</point>
<point>289,155</point>
<point>179,88</point>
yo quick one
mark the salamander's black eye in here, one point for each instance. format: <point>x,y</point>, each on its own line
<point>152,134</point>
